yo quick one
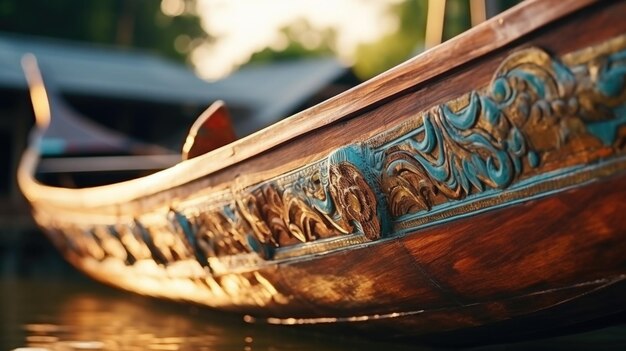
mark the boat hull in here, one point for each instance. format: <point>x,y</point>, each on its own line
<point>441,279</point>
<point>488,197</point>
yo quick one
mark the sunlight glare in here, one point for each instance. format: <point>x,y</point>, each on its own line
<point>244,27</point>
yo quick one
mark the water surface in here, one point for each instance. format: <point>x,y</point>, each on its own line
<point>46,305</point>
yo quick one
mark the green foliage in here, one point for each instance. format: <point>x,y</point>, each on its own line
<point>408,40</point>
<point>392,49</point>
<point>136,23</point>
<point>457,18</point>
<point>301,40</point>
<point>140,23</point>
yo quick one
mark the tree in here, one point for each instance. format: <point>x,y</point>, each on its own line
<point>130,23</point>
<point>300,40</point>
<point>393,48</point>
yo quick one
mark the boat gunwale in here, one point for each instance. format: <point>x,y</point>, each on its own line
<point>482,40</point>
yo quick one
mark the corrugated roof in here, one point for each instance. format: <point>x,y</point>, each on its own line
<point>275,90</point>
<point>269,92</point>
<point>102,71</point>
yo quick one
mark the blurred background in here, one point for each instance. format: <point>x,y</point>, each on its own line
<point>146,69</point>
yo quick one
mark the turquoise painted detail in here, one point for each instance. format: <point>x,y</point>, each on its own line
<point>610,83</point>
<point>607,130</point>
<point>264,251</point>
<point>182,222</point>
<point>611,77</point>
<point>145,236</point>
<point>458,151</point>
<point>533,159</point>
<point>368,164</point>
<point>52,146</point>
<point>525,129</point>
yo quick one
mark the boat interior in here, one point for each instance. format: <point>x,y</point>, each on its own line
<point>78,153</point>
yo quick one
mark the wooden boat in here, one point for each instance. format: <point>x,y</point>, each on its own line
<point>475,190</point>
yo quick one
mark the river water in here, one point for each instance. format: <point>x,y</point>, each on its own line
<point>46,305</point>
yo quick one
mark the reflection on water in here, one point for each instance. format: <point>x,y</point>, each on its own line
<point>81,315</point>
<point>54,315</point>
<point>44,305</point>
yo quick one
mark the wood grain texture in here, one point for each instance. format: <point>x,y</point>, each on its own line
<point>519,259</point>
<point>472,75</point>
<point>484,39</point>
<point>572,238</point>
<point>585,307</point>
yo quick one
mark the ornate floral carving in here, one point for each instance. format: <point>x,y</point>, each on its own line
<point>537,115</point>
<point>535,111</point>
<point>281,219</point>
<point>355,201</point>
<point>220,232</point>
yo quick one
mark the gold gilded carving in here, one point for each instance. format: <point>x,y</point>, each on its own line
<point>355,200</point>
<point>219,234</point>
<point>283,219</point>
<point>165,242</point>
<point>131,237</point>
<point>537,115</point>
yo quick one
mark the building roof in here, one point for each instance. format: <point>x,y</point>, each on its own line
<point>266,92</point>
<point>275,90</point>
<point>78,68</point>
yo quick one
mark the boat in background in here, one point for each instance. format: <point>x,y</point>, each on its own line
<point>475,191</point>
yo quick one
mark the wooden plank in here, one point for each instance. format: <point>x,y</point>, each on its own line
<point>415,73</point>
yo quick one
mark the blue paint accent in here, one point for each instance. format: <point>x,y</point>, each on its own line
<point>228,211</point>
<point>611,76</point>
<point>563,74</point>
<point>157,255</point>
<point>429,142</point>
<point>369,164</point>
<point>465,118</point>
<point>185,226</point>
<point>611,81</point>
<point>52,146</point>
<point>266,252</point>
<point>476,151</point>
<point>533,159</point>
<point>456,150</point>
<point>489,194</point>
<point>491,110</point>
<point>500,90</point>
<point>606,131</point>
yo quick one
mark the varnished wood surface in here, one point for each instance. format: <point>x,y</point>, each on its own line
<point>587,27</point>
<point>485,39</point>
<point>595,304</point>
<point>530,261</point>
<point>512,262</point>
<point>517,261</point>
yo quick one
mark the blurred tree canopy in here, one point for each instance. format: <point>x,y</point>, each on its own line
<point>391,49</point>
<point>172,28</point>
<point>408,40</point>
<point>299,40</point>
<point>168,27</point>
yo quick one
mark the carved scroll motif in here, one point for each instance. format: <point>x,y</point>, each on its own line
<point>536,115</point>
<point>284,218</point>
<point>355,201</point>
<point>220,232</point>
